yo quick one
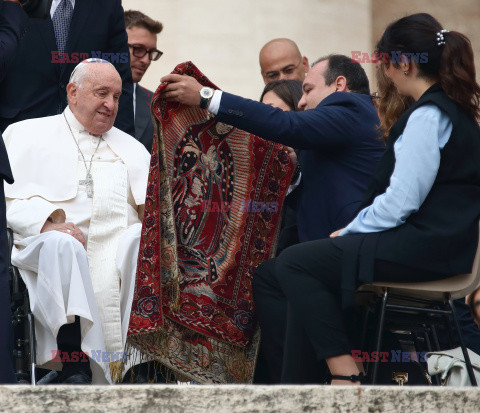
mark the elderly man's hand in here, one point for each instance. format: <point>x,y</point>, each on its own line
<point>181,88</point>
<point>67,228</point>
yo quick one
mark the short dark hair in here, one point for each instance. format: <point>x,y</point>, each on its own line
<point>341,65</point>
<point>289,90</point>
<point>135,18</point>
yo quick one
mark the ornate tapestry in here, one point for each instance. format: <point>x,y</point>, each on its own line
<point>211,215</point>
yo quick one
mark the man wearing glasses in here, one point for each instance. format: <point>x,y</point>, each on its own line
<point>281,59</point>
<point>142,42</point>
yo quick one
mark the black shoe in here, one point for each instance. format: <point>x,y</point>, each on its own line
<point>78,377</point>
<point>137,374</point>
<point>144,373</point>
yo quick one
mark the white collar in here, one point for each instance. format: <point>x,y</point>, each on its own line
<point>73,121</point>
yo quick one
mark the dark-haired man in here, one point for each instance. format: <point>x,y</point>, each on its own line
<point>142,34</point>
<point>281,59</point>
<point>337,133</point>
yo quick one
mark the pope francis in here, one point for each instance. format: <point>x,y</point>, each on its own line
<point>76,209</point>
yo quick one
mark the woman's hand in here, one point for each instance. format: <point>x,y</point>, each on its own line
<point>336,233</point>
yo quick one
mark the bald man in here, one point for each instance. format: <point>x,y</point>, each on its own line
<point>76,209</point>
<point>281,59</point>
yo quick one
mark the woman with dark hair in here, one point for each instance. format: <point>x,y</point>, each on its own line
<point>283,94</point>
<point>419,220</point>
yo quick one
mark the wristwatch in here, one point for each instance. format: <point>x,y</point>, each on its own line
<point>205,95</point>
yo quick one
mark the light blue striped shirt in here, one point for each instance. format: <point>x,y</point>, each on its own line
<point>417,159</point>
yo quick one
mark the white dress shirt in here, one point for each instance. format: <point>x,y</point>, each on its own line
<point>55,4</point>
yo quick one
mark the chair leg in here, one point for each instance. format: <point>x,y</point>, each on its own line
<point>381,322</point>
<point>427,329</point>
<point>32,348</point>
<point>468,363</point>
<point>427,337</point>
<point>435,337</point>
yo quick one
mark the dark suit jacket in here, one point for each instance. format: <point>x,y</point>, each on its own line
<point>12,25</point>
<point>340,151</point>
<point>34,87</point>
<point>143,117</point>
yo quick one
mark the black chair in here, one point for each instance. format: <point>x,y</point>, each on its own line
<point>419,306</point>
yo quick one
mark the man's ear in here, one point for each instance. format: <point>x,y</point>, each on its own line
<point>341,84</point>
<point>263,76</point>
<point>305,64</point>
<point>72,91</point>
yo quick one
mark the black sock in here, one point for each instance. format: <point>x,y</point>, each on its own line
<point>71,355</point>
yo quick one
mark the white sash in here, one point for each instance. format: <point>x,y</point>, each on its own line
<point>108,222</point>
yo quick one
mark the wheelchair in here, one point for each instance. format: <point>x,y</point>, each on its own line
<point>24,351</point>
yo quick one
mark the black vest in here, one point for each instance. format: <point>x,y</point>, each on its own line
<point>442,235</point>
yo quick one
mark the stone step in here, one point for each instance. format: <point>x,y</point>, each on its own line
<point>237,398</point>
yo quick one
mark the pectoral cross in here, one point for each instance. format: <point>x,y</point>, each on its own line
<point>88,182</point>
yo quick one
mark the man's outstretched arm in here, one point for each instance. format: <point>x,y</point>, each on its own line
<point>323,127</point>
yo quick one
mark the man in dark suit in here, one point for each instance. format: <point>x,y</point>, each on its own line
<point>336,132</point>
<point>340,149</point>
<point>12,24</point>
<point>35,85</point>
<point>142,34</point>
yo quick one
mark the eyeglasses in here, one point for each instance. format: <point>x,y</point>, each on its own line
<point>140,51</point>
<point>287,70</point>
<point>375,99</point>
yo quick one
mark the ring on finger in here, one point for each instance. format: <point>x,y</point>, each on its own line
<point>69,231</point>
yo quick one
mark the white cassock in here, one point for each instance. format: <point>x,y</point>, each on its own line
<point>63,278</point>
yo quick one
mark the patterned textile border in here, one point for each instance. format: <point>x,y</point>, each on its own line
<point>211,215</point>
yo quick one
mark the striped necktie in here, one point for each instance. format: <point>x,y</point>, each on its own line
<point>61,26</point>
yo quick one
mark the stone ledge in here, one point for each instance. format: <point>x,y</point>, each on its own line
<point>236,398</point>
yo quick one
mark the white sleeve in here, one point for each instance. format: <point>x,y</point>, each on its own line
<point>214,105</point>
<point>26,217</point>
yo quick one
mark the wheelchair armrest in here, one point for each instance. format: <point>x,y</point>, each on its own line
<point>10,239</point>
<point>17,291</point>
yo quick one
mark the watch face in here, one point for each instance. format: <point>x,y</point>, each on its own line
<point>206,92</point>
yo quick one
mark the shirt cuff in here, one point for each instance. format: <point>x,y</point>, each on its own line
<point>214,105</point>
<point>295,184</point>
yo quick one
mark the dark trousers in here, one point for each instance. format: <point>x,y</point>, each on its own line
<point>298,302</point>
